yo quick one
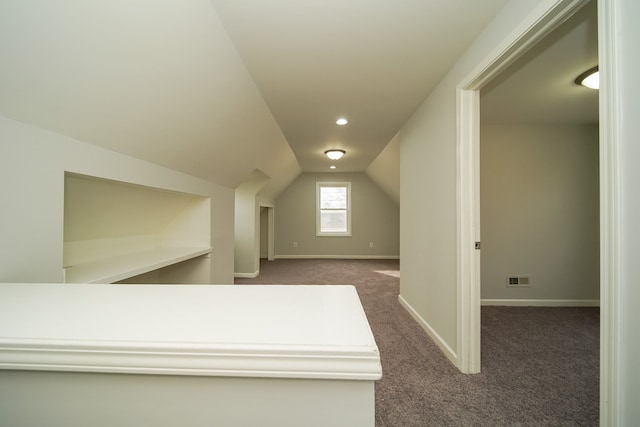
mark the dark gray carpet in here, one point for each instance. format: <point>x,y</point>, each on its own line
<point>539,365</point>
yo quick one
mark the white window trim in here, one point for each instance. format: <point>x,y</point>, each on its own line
<point>319,185</point>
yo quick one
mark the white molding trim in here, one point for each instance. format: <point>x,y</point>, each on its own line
<point>610,269</point>
<point>444,347</point>
<point>286,346</point>
<point>220,360</point>
<point>337,257</point>
<point>541,302</point>
<point>247,275</point>
<point>270,231</point>
<point>544,18</point>
<point>468,232</point>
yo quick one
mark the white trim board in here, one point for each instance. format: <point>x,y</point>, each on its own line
<point>610,61</point>
<point>337,257</point>
<point>444,347</point>
<point>541,302</point>
<point>246,275</point>
<point>270,231</point>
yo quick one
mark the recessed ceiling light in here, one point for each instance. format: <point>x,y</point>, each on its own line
<point>334,154</point>
<point>332,167</point>
<point>342,121</point>
<point>590,78</point>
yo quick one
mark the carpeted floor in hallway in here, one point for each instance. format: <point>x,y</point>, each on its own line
<point>539,365</point>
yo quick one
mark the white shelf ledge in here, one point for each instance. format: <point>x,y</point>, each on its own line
<point>114,269</point>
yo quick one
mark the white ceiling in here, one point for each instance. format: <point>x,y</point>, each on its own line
<point>539,87</point>
<point>225,89</point>
<point>156,80</point>
<point>371,61</point>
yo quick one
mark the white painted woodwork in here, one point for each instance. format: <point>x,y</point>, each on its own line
<point>115,230</point>
<point>223,355</point>
<point>121,267</point>
<point>441,343</point>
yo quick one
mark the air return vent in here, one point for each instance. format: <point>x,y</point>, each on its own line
<point>518,281</point>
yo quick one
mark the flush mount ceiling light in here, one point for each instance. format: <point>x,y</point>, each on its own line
<point>342,121</point>
<point>590,78</point>
<point>332,167</point>
<point>334,154</point>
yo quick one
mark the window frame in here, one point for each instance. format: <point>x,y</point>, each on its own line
<point>344,184</point>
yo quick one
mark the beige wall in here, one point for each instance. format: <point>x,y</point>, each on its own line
<point>539,211</point>
<point>428,187</point>
<point>247,226</point>
<point>32,166</point>
<point>375,218</point>
<point>385,169</point>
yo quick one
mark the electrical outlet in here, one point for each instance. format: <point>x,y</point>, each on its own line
<point>370,244</point>
<point>295,244</point>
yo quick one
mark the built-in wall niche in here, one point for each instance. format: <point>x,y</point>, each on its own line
<point>114,231</point>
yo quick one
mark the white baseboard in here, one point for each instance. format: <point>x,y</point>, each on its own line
<point>337,257</point>
<point>246,275</point>
<point>541,302</point>
<point>444,347</point>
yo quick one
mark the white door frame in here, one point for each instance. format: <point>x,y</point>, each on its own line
<point>270,232</point>
<point>546,17</point>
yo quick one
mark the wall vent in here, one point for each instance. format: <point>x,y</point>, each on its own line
<point>518,281</point>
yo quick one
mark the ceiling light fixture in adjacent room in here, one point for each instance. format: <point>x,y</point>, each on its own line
<point>342,121</point>
<point>334,154</point>
<point>590,78</point>
<point>332,167</point>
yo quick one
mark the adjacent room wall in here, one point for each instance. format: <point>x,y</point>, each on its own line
<point>375,218</point>
<point>247,225</point>
<point>428,189</point>
<point>32,166</point>
<point>540,213</point>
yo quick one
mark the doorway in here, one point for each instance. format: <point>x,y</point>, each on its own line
<point>531,30</point>
<point>266,241</point>
<point>539,173</point>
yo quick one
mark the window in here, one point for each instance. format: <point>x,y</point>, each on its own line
<point>333,209</point>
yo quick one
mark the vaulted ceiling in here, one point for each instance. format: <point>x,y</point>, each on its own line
<point>370,61</point>
<point>221,89</point>
<point>156,80</point>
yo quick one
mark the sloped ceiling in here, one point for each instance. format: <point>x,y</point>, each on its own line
<point>539,87</point>
<point>160,81</point>
<point>385,169</point>
<point>371,61</point>
<point>218,89</point>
